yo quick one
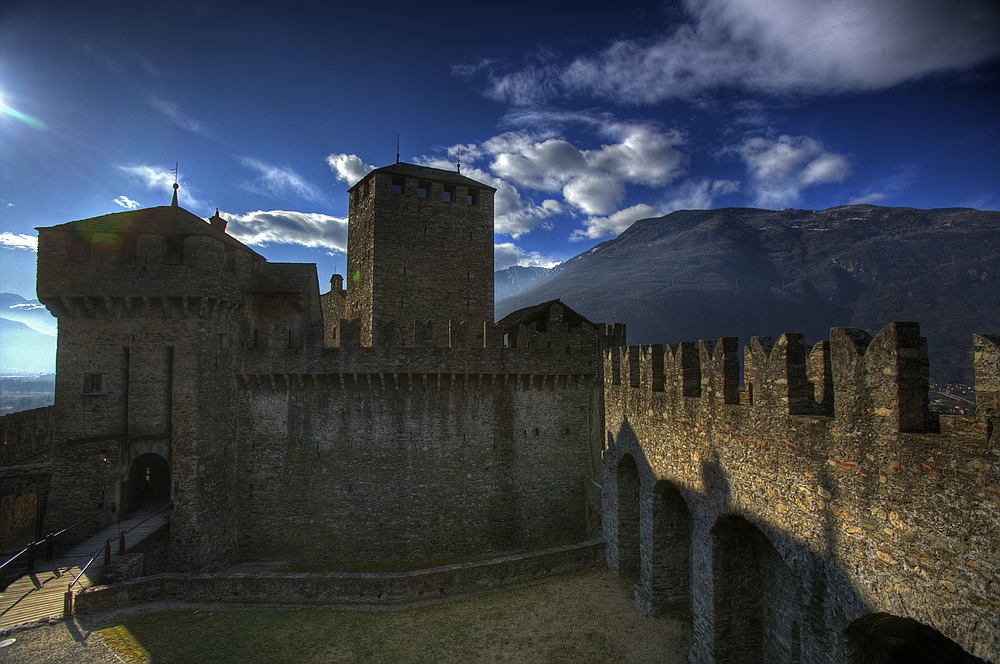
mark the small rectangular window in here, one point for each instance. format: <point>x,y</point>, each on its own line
<point>449,193</point>
<point>129,246</point>
<point>423,189</point>
<point>397,185</point>
<point>79,248</point>
<point>175,250</point>
<point>93,383</point>
<point>473,197</point>
<point>295,334</point>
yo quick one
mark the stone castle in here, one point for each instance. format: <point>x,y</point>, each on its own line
<point>394,422</point>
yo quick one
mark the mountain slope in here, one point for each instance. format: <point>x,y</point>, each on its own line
<point>516,279</point>
<point>24,350</point>
<point>30,312</point>
<point>698,274</point>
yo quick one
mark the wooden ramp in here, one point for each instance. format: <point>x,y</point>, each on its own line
<point>41,594</point>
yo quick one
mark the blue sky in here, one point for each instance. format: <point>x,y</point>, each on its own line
<point>585,116</point>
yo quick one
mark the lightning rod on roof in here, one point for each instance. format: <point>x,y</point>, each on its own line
<point>173,203</point>
<point>397,148</point>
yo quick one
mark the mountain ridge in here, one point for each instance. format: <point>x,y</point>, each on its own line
<point>701,274</point>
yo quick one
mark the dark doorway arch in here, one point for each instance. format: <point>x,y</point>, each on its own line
<point>757,609</point>
<point>148,481</point>
<point>882,638</point>
<point>628,517</point>
<point>667,579</point>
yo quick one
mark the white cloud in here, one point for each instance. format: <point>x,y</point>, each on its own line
<point>867,199</point>
<point>128,203</point>
<point>693,195</point>
<point>770,46</point>
<point>348,167</point>
<point>18,241</point>
<point>308,229</point>
<point>157,178</point>
<point>598,227</point>
<point>588,182</point>
<point>278,182</point>
<point>174,113</point>
<point>724,187</point>
<point>543,165</point>
<point>594,181</point>
<point>506,254</point>
<point>781,168</point>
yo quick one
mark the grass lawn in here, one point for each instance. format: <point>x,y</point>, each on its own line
<point>589,617</point>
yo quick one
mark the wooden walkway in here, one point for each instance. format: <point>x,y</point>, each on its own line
<point>40,595</point>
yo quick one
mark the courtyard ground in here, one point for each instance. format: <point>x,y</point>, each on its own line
<point>589,617</point>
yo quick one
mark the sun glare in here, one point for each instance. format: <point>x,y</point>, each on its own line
<point>18,115</point>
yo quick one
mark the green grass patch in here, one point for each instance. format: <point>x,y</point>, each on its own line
<point>586,618</point>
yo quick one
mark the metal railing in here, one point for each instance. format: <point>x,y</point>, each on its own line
<point>106,549</point>
<point>31,549</point>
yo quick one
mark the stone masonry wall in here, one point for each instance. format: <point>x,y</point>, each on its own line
<point>25,433</point>
<point>419,257</point>
<point>880,507</point>
<point>367,467</point>
<point>344,589</point>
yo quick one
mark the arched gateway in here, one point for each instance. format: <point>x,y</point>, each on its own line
<point>148,482</point>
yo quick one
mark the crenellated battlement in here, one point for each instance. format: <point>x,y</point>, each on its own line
<point>385,381</point>
<point>827,465</point>
<point>875,383</point>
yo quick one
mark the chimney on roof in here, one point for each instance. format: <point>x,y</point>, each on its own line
<point>336,284</point>
<point>218,222</point>
<point>173,203</point>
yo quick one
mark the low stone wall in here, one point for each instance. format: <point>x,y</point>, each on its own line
<point>345,589</point>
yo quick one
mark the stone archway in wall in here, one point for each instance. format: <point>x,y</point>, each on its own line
<point>627,481</point>
<point>665,584</point>
<point>148,482</point>
<point>882,638</point>
<point>756,600</point>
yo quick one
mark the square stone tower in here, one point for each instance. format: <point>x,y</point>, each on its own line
<point>419,247</point>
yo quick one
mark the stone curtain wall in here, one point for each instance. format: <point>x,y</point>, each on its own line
<point>342,469</point>
<point>25,433</point>
<point>801,522</point>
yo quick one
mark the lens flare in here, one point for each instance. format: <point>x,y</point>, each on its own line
<point>23,117</point>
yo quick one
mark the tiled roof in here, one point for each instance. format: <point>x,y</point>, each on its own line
<point>426,172</point>
<point>540,313</point>
<point>165,219</point>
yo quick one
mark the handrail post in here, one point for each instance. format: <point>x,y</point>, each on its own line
<point>107,553</point>
<point>121,543</point>
<point>68,603</point>
<point>31,556</point>
<point>50,547</point>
